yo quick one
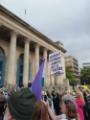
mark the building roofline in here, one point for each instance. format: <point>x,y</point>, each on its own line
<point>29,27</point>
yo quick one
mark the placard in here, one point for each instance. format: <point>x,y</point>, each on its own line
<point>55,63</point>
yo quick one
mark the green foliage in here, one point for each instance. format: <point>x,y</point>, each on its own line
<point>85,72</point>
<point>71,77</point>
<point>85,75</point>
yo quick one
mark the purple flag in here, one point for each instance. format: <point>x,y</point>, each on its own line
<point>36,85</point>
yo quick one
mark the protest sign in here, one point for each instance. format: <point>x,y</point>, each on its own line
<point>55,63</point>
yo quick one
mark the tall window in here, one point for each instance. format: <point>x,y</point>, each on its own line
<point>20,71</point>
<point>2,66</point>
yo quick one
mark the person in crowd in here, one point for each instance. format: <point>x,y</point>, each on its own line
<point>87,104</point>
<point>56,101</point>
<point>48,94</point>
<point>46,97</point>
<point>40,112</point>
<point>2,105</point>
<point>68,109</point>
<point>71,110</point>
<point>80,104</point>
<point>20,105</point>
<point>49,98</point>
<point>68,96</point>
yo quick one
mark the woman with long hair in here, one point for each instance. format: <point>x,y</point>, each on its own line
<point>68,109</point>
<point>40,112</point>
<point>71,110</point>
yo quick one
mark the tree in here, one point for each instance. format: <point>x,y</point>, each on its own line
<point>71,77</point>
<point>85,75</point>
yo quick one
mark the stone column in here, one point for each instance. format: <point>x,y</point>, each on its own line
<point>45,57</point>
<point>11,73</point>
<point>36,58</point>
<point>26,64</point>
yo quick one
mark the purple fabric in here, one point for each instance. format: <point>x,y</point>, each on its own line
<point>36,85</point>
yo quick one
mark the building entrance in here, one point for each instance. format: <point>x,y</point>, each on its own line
<point>2,64</point>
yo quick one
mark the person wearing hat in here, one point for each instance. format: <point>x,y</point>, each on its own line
<point>20,105</point>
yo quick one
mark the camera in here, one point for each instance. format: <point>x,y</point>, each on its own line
<point>45,98</point>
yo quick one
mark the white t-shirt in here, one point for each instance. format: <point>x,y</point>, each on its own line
<point>61,117</point>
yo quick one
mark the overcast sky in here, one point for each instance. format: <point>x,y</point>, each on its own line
<point>65,20</point>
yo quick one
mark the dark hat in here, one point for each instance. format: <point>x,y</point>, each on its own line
<point>21,104</point>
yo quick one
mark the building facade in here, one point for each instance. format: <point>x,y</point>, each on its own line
<point>22,49</point>
<point>72,64</point>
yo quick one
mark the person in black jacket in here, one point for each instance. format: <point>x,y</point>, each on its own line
<point>56,103</point>
<point>87,105</point>
<point>2,104</point>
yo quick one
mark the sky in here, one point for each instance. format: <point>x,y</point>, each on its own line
<point>67,21</point>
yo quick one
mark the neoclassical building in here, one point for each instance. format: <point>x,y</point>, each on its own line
<point>22,48</point>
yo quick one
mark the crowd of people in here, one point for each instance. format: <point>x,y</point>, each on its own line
<point>23,105</point>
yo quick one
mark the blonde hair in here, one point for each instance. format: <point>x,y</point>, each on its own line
<point>79,94</point>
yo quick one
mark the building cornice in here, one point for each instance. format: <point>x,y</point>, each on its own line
<point>29,27</point>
